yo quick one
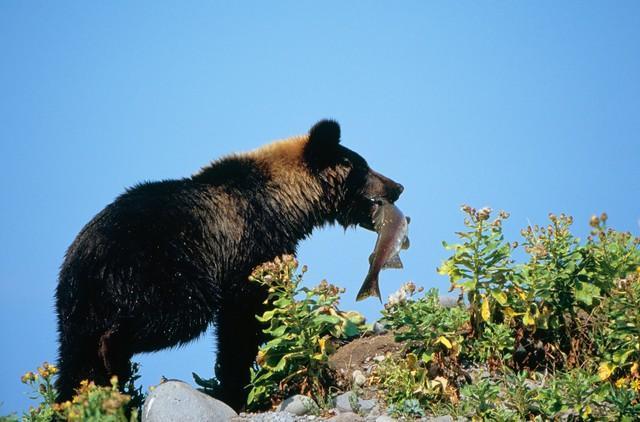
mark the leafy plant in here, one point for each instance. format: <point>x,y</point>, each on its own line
<point>407,386</point>
<point>480,398</point>
<point>576,393</point>
<point>494,346</point>
<point>425,325</point>
<point>90,402</point>
<point>481,266</point>
<point>302,326</point>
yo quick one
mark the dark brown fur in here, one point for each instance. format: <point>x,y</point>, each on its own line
<point>168,259</point>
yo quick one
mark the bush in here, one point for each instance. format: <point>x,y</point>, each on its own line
<point>302,325</point>
<point>90,403</point>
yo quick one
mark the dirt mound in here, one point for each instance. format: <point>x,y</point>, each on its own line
<point>361,354</point>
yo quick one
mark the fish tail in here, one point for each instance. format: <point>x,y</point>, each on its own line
<point>369,288</point>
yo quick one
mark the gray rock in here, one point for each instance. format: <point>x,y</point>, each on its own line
<point>346,417</point>
<point>378,328</point>
<point>385,418</point>
<point>268,417</point>
<point>446,418</point>
<point>358,378</point>
<point>349,402</point>
<point>366,406</point>
<point>298,405</point>
<point>178,401</point>
<point>344,401</point>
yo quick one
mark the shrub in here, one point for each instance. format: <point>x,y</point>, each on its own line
<point>302,325</point>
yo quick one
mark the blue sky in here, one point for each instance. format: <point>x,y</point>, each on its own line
<point>530,107</point>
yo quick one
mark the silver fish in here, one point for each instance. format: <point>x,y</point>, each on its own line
<point>392,227</point>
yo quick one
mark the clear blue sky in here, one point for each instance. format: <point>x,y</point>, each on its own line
<point>530,107</point>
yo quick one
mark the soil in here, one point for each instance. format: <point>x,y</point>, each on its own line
<point>361,354</point>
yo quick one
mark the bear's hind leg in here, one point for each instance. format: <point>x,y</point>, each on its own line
<point>115,355</point>
<point>78,362</point>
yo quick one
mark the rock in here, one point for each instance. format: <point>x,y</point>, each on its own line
<point>385,418</point>
<point>178,401</point>
<point>298,405</point>
<point>267,417</point>
<point>379,358</point>
<point>446,418</point>
<point>349,402</point>
<point>358,378</point>
<point>346,417</point>
<point>378,328</point>
<point>366,406</point>
<point>344,402</point>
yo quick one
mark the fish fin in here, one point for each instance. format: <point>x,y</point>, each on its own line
<point>408,220</point>
<point>393,262</point>
<point>369,288</point>
<point>406,243</point>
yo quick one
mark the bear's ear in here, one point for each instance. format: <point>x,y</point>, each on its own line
<point>324,137</point>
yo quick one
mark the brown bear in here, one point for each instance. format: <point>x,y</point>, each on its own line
<point>168,259</point>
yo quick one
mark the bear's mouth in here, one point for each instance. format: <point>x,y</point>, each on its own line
<point>374,203</point>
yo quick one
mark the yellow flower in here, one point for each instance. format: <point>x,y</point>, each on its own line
<point>28,377</point>
<point>605,370</point>
<point>621,382</point>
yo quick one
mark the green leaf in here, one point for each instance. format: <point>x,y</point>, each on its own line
<point>350,329</point>
<point>329,319</point>
<point>266,316</point>
<point>277,332</point>
<point>586,292</point>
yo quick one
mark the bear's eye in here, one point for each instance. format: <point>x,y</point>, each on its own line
<point>346,162</point>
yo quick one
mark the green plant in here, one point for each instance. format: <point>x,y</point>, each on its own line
<point>406,385</point>
<point>480,398</point>
<point>620,337</point>
<point>481,267</point>
<point>625,402</point>
<point>425,325</point>
<point>576,392</point>
<point>519,395</point>
<point>302,326</point>
<point>90,403</point>
<point>41,383</point>
<point>494,346</point>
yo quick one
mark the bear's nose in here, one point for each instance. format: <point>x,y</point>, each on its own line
<point>395,191</point>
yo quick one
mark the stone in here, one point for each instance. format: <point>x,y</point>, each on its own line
<point>366,406</point>
<point>385,418</point>
<point>346,417</point>
<point>178,401</point>
<point>344,401</point>
<point>378,328</point>
<point>298,405</point>
<point>358,378</point>
<point>445,418</point>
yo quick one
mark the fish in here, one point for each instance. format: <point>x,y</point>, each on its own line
<point>392,228</point>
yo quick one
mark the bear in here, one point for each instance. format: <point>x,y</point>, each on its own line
<point>166,260</point>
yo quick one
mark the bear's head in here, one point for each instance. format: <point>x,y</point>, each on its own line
<point>344,175</point>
